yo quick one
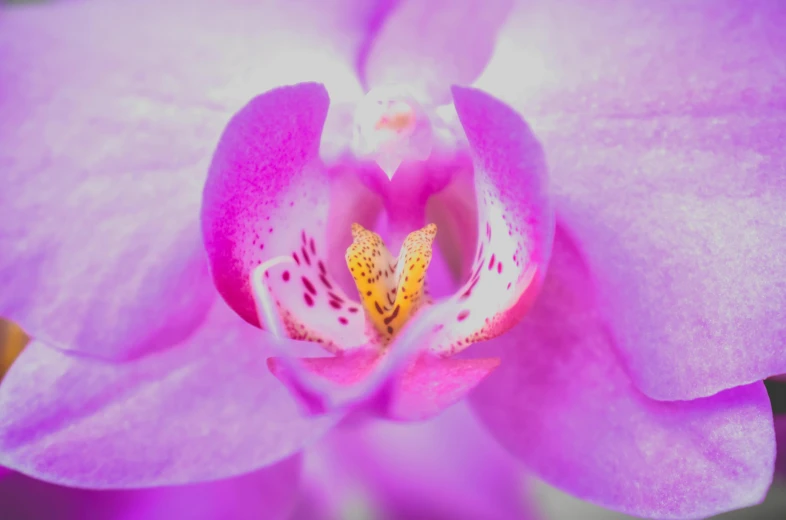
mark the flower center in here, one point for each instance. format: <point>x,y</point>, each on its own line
<point>391,127</point>
<point>391,290</point>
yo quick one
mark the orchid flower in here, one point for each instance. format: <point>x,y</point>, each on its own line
<point>608,301</point>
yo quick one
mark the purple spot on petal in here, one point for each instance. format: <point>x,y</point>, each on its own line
<point>313,246</point>
<point>342,320</point>
<point>462,315</point>
<point>305,255</point>
<point>499,267</point>
<point>335,304</point>
<point>325,281</point>
<point>285,276</point>
<point>309,286</point>
<point>353,309</point>
<point>297,260</point>
<point>468,292</point>
<point>491,262</point>
<point>309,299</point>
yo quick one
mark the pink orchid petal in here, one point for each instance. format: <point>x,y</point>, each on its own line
<point>562,403</point>
<point>621,58</point>
<point>686,236</point>
<point>205,409</point>
<point>346,369</point>
<point>515,222</point>
<point>670,176</point>
<point>446,467</point>
<point>265,494</point>
<point>432,384</point>
<point>428,46</point>
<point>425,387</point>
<point>267,196</point>
<point>105,149</point>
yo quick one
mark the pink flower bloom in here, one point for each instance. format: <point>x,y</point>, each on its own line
<point>621,350</point>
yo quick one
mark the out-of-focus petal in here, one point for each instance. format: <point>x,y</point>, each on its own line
<point>107,130</point>
<point>266,197</point>
<point>206,409</point>
<point>562,403</point>
<point>444,468</point>
<point>433,383</point>
<point>265,494</point>
<point>429,46</point>
<point>424,389</point>
<point>515,222</point>
<point>672,179</point>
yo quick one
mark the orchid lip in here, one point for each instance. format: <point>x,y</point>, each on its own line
<point>391,290</point>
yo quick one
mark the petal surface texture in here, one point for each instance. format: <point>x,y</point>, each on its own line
<point>429,46</point>
<point>562,403</point>
<point>267,494</point>
<point>667,159</point>
<point>203,410</point>
<point>106,147</point>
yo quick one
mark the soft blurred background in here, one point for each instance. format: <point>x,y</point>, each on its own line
<point>22,498</point>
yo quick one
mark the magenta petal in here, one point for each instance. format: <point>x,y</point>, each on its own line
<point>422,390</point>
<point>429,46</point>
<point>257,173</point>
<point>624,59</point>
<point>444,468</point>
<point>267,196</point>
<point>682,221</point>
<point>431,384</point>
<point>515,223</point>
<point>206,409</point>
<point>664,131</point>
<point>562,403</point>
<point>266,494</point>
